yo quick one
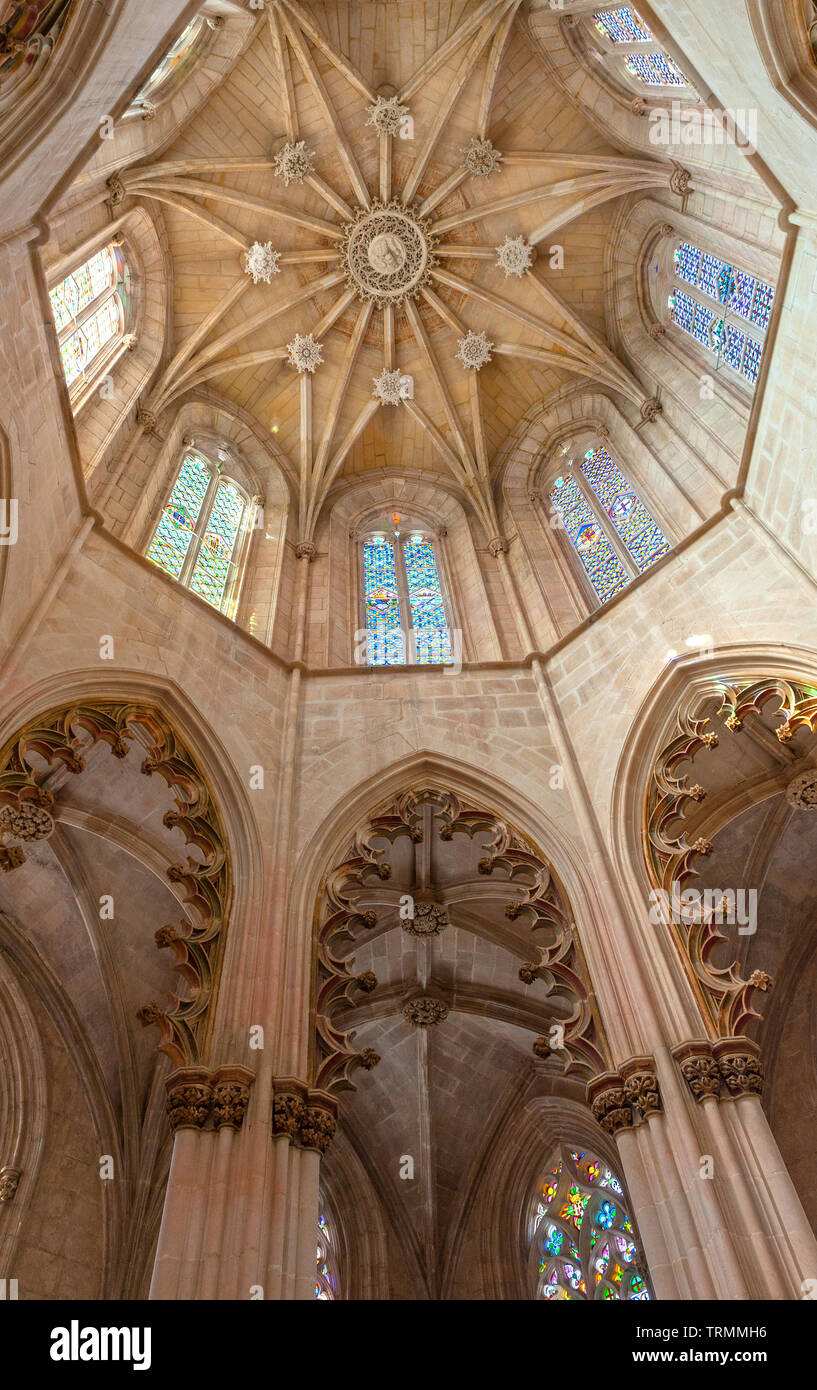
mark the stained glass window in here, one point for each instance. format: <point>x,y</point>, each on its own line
<point>603,566</point>
<point>386,646</point>
<point>735,291</point>
<point>583,1243</point>
<point>197,535</point>
<point>431,635</point>
<point>326,1282</point>
<point>650,65</point>
<point>87,309</point>
<point>214,563</point>
<point>655,70</point>
<point>404,607</point>
<point>624,25</point>
<point>642,536</point>
<point>177,55</point>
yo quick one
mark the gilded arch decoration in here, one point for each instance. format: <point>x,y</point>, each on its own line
<point>60,738</point>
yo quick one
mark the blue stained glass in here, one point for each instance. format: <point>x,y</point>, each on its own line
<point>385,644</point>
<point>682,309</point>
<point>750,365</point>
<point>710,269</point>
<point>431,635</point>
<point>623,25</point>
<point>687,262</point>
<point>762,304</point>
<point>741,297</point>
<point>734,344</point>
<point>655,70</point>
<point>604,569</point>
<point>642,536</point>
<point>214,565</point>
<point>702,324</point>
<point>171,539</point>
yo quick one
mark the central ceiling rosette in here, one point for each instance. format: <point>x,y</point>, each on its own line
<point>388,253</point>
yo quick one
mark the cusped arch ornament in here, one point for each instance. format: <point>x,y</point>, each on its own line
<point>671,857</point>
<point>61,737</point>
<point>540,899</point>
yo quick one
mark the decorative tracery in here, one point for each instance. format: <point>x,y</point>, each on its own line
<point>584,1247</point>
<point>613,534</point>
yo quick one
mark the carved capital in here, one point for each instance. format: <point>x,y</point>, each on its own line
<point>699,1069</point>
<point>639,106</point>
<point>288,1109</point>
<point>146,419</point>
<point>306,550</point>
<point>651,409</point>
<point>307,1118</point>
<point>9,1180</point>
<point>317,1128</point>
<point>740,1066</point>
<point>657,331</point>
<point>231,1095</point>
<point>609,1102</point>
<point>117,191</point>
<point>189,1098</point>
<point>641,1086</point>
<point>498,546</point>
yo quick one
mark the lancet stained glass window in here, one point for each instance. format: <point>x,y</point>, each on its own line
<point>624,25</point>
<point>197,535</point>
<point>178,54</point>
<point>584,1247</point>
<point>326,1280</point>
<point>602,565</point>
<point>403,600</point>
<point>654,67</point>
<point>729,289</point>
<point>642,536</point>
<point>88,314</point>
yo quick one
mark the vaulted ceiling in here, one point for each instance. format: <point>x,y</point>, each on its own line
<point>363,144</point>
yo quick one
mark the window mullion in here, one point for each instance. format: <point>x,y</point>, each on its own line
<point>199,531</point>
<point>406,619</point>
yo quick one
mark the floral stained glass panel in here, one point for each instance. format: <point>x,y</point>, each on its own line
<point>641,534</point>
<point>431,635</point>
<point>385,645</point>
<point>214,562</point>
<point>177,524</point>
<point>604,569</point>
